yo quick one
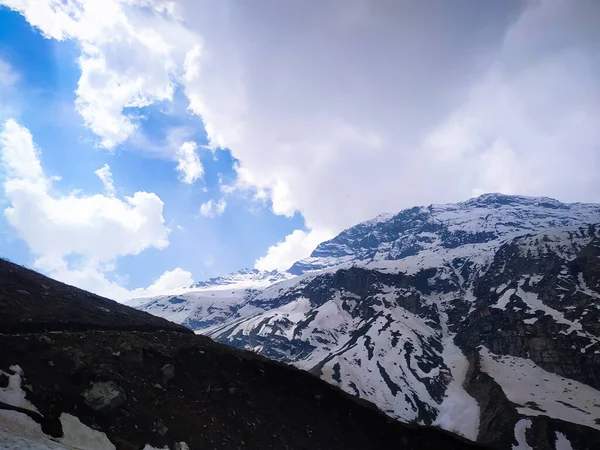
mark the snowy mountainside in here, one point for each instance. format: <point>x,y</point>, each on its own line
<point>479,222</point>
<point>411,311</point>
<point>210,302</point>
<point>244,278</point>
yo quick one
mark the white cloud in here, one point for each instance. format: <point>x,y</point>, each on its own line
<point>213,209</point>
<point>95,229</point>
<point>365,106</point>
<point>130,56</point>
<point>168,281</point>
<point>106,177</point>
<point>188,164</point>
<point>371,106</point>
<point>297,245</point>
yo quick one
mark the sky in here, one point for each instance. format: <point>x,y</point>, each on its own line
<point>147,144</point>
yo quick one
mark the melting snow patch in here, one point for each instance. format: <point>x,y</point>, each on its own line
<point>504,299</point>
<point>520,429</point>
<point>13,394</point>
<point>19,431</point>
<point>562,443</point>
<point>10,441</point>
<point>78,435</point>
<point>539,392</point>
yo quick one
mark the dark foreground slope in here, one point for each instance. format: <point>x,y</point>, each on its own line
<point>172,386</point>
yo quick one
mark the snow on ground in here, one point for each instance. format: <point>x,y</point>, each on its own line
<point>77,435</point>
<point>14,441</point>
<point>520,429</point>
<point>560,241</point>
<point>13,394</point>
<point>534,305</point>
<point>363,364</point>
<point>434,256</point>
<point>562,443</point>
<point>542,393</point>
<point>19,431</point>
<point>458,412</point>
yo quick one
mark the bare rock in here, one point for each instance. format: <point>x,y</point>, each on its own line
<point>168,371</point>
<point>104,396</point>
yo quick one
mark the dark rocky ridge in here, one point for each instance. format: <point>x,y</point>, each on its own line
<point>31,302</point>
<point>65,340</point>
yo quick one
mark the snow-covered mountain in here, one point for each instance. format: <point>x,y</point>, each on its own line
<point>246,278</point>
<point>211,302</point>
<point>482,317</point>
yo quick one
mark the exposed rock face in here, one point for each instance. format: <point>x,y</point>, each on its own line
<point>482,317</point>
<point>104,396</point>
<point>161,385</point>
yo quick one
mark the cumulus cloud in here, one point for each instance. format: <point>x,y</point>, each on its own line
<point>188,164</point>
<point>297,245</point>
<point>106,177</point>
<point>360,107</point>
<point>131,52</point>
<point>168,281</point>
<point>93,231</point>
<point>213,209</point>
<point>336,122</point>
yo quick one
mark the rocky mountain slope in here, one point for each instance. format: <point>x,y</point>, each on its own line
<point>482,317</point>
<point>78,371</point>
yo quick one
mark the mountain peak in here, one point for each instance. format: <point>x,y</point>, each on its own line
<point>489,217</point>
<point>498,199</point>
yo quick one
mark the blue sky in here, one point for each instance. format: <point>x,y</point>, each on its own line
<point>44,103</point>
<point>145,144</point>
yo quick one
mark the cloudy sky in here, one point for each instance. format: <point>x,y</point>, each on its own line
<point>148,143</point>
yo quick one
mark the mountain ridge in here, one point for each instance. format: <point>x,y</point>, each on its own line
<point>412,310</point>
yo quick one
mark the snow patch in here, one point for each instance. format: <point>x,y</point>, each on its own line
<point>521,428</point>
<point>19,431</point>
<point>78,435</point>
<point>562,443</point>
<point>13,394</point>
<point>538,392</point>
